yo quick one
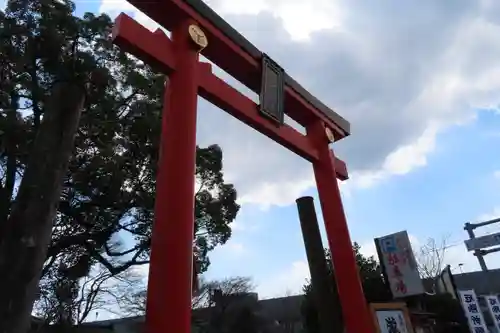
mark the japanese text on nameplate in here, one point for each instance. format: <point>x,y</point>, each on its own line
<point>494,309</point>
<point>472,311</point>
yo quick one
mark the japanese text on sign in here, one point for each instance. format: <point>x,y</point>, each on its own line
<point>399,263</point>
<point>391,321</point>
<point>494,309</point>
<point>472,311</point>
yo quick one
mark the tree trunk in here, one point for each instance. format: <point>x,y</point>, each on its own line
<point>23,245</point>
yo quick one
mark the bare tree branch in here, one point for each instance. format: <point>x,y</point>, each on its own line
<point>430,259</point>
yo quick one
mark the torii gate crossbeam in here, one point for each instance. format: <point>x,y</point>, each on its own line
<point>169,288</point>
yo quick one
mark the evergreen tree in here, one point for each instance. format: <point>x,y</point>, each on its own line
<point>371,277</point>
<point>105,212</point>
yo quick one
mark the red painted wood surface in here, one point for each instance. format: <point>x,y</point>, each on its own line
<point>142,43</point>
<point>171,262</point>
<point>168,307</point>
<point>356,314</point>
<point>230,57</point>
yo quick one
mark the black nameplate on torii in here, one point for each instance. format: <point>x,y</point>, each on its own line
<point>272,91</point>
<point>208,13</point>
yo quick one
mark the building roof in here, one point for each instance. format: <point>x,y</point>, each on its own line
<point>289,308</point>
<point>482,282</point>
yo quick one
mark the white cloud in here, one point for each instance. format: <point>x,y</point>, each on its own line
<point>399,162</point>
<point>368,248</point>
<point>400,74</point>
<point>232,250</point>
<point>288,282</point>
<point>491,228</point>
<point>114,7</point>
<point>299,18</point>
<point>461,260</point>
<point>455,255</point>
<point>237,226</point>
<point>292,278</point>
<point>494,214</point>
<point>246,226</point>
<point>405,158</point>
<point>236,248</point>
<point>282,194</point>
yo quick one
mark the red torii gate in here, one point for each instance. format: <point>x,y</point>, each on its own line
<point>197,29</point>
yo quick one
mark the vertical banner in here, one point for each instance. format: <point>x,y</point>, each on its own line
<point>391,318</point>
<point>472,311</point>
<point>494,308</point>
<point>391,321</point>
<point>399,265</point>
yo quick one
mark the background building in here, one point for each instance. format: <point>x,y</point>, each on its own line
<point>279,315</point>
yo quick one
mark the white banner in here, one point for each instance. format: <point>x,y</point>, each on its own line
<point>399,263</point>
<point>494,308</point>
<point>391,321</point>
<point>472,311</point>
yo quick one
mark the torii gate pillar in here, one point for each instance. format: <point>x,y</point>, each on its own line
<point>174,204</point>
<point>193,24</point>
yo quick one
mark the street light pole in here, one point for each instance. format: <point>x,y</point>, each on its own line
<point>469,227</point>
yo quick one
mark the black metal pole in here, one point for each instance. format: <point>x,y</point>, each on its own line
<point>323,286</point>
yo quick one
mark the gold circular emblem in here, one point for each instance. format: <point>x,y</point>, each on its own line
<point>198,36</point>
<point>329,135</point>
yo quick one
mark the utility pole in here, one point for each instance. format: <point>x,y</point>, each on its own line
<point>478,251</point>
<point>470,230</point>
<point>324,291</point>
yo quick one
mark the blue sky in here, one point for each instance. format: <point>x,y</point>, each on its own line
<point>456,186</point>
<point>421,89</point>
<point>421,92</point>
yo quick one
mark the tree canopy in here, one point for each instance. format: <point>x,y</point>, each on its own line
<point>374,287</point>
<point>106,211</point>
<point>446,310</point>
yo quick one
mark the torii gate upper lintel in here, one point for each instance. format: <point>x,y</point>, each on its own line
<point>169,288</point>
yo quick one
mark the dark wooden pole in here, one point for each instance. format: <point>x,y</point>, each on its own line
<point>324,291</point>
<point>24,243</point>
